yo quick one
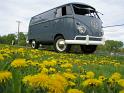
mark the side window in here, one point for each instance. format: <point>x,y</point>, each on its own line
<point>59,12</point>
<point>64,11</point>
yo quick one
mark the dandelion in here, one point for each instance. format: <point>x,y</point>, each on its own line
<point>66,65</point>
<point>71,83</point>
<point>60,78</point>
<point>57,83</point>
<point>1,57</point>
<point>83,76</point>
<point>52,70</point>
<point>50,63</point>
<point>102,78</point>
<point>115,77</point>
<point>92,83</point>
<point>117,64</point>
<point>17,63</point>
<point>69,75</point>
<point>90,74</point>
<point>74,91</point>
<point>56,86</point>
<point>121,82</point>
<point>39,80</point>
<point>44,70</point>
<point>4,76</point>
<point>122,91</point>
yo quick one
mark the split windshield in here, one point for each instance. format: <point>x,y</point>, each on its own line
<point>85,10</point>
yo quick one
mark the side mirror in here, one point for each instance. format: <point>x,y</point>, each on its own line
<point>100,13</point>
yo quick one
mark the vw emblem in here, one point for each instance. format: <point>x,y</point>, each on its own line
<point>95,24</point>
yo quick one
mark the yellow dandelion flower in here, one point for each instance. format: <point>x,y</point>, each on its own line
<point>52,70</point>
<point>6,55</point>
<point>121,82</point>
<point>50,63</point>
<point>83,76</point>
<point>44,70</point>
<point>4,76</point>
<point>68,70</point>
<point>56,86</point>
<point>60,78</point>
<point>1,57</point>
<point>29,62</point>
<point>90,74</point>
<point>102,78</point>
<point>39,80</point>
<point>117,64</point>
<point>20,50</point>
<point>71,83</point>
<point>74,91</point>
<point>69,75</point>
<point>122,91</point>
<point>92,83</point>
<point>66,65</point>
<point>19,63</point>
<point>115,76</point>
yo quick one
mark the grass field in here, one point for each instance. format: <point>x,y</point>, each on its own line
<point>25,70</point>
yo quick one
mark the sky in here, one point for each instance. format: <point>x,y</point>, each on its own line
<point>18,10</point>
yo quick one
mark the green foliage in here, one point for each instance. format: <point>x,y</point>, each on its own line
<point>111,46</point>
<point>22,39</point>
<point>8,39</point>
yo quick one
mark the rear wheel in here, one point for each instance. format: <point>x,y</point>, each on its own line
<point>88,49</point>
<point>34,44</point>
<point>60,45</point>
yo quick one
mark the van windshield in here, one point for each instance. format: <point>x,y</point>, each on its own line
<point>85,10</point>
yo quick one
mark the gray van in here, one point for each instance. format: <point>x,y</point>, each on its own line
<point>66,25</point>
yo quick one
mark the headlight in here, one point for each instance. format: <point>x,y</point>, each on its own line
<point>82,29</point>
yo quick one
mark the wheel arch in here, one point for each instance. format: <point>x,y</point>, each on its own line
<point>58,35</point>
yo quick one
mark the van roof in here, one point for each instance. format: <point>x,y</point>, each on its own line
<point>76,3</point>
<point>66,4</point>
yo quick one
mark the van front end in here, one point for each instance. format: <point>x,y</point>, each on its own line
<point>88,26</point>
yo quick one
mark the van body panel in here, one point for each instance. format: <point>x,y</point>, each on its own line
<point>93,25</point>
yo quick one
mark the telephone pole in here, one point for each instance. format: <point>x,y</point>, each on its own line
<point>18,31</point>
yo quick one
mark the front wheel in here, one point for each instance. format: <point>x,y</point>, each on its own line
<point>88,49</point>
<point>60,45</point>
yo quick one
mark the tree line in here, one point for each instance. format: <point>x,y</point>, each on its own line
<point>110,45</point>
<point>12,39</point>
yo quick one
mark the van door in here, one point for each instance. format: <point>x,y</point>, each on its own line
<point>64,22</point>
<point>58,21</point>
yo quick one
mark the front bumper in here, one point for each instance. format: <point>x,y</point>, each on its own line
<point>87,40</point>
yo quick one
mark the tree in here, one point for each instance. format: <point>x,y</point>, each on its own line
<point>22,39</point>
<point>111,45</point>
<point>7,39</point>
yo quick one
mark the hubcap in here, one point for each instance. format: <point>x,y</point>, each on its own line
<point>60,45</point>
<point>33,44</point>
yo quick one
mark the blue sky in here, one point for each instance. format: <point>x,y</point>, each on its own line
<point>13,10</point>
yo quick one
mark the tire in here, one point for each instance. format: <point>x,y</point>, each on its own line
<point>34,44</point>
<point>60,46</point>
<point>88,49</point>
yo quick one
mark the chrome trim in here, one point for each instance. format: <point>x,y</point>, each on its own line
<point>87,41</point>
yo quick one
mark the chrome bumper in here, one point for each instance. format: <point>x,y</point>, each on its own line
<point>87,41</point>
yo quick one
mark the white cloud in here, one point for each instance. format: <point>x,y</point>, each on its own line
<point>12,10</point>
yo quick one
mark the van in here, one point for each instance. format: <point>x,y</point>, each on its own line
<point>67,25</point>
